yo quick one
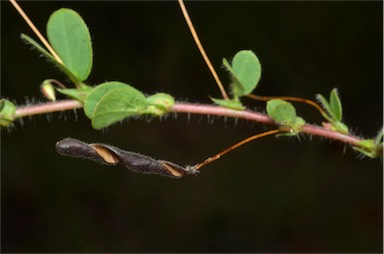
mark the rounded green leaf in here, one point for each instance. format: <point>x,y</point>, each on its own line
<point>282,112</point>
<point>113,101</point>
<point>161,100</point>
<point>247,72</point>
<point>70,38</point>
<point>299,122</point>
<point>97,93</point>
<point>159,103</point>
<point>116,104</point>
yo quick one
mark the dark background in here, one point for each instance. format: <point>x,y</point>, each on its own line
<point>272,195</point>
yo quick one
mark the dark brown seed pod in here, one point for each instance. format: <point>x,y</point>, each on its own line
<point>110,155</point>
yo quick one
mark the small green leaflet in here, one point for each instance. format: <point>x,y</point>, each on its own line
<point>281,111</point>
<point>372,148</point>
<point>245,71</point>
<point>159,104</point>
<point>117,105</point>
<point>333,107</point>
<point>97,93</point>
<point>369,148</point>
<point>334,110</point>
<point>70,38</point>
<point>111,102</point>
<point>47,55</point>
<point>284,113</point>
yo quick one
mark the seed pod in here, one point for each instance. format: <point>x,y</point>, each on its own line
<point>110,155</point>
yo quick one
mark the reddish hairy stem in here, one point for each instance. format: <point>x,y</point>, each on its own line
<point>48,107</point>
<point>220,111</point>
<point>194,109</point>
<point>262,118</point>
<point>322,132</point>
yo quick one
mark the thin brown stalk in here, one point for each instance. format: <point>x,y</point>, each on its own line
<point>289,98</point>
<point>35,30</point>
<point>201,49</point>
<point>233,147</point>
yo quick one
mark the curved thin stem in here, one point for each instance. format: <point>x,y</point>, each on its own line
<point>244,141</point>
<point>290,98</point>
<point>201,49</point>
<point>35,30</point>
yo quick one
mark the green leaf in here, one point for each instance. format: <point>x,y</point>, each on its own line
<point>232,104</point>
<point>247,67</point>
<point>245,72</point>
<point>113,101</point>
<point>48,56</point>
<point>335,105</point>
<point>7,112</point>
<point>326,106</point>
<point>372,148</point>
<point>367,143</point>
<point>97,93</point>
<point>340,127</point>
<point>368,148</point>
<point>159,104</point>
<point>334,111</point>
<point>236,84</point>
<point>118,104</point>
<point>70,38</point>
<point>282,112</point>
<point>299,122</point>
<point>37,46</point>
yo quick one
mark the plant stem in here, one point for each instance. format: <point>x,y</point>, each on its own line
<point>201,49</point>
<point>191,108</point>
<point>261,118</point>
<point>48,107</point>
<point>36,31</point>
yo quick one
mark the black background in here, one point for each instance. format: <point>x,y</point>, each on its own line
<point>272,195</point>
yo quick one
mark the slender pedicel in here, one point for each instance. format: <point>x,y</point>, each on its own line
<point>233,147</point>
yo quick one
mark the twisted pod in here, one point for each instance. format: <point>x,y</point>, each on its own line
<point>110,155</point>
